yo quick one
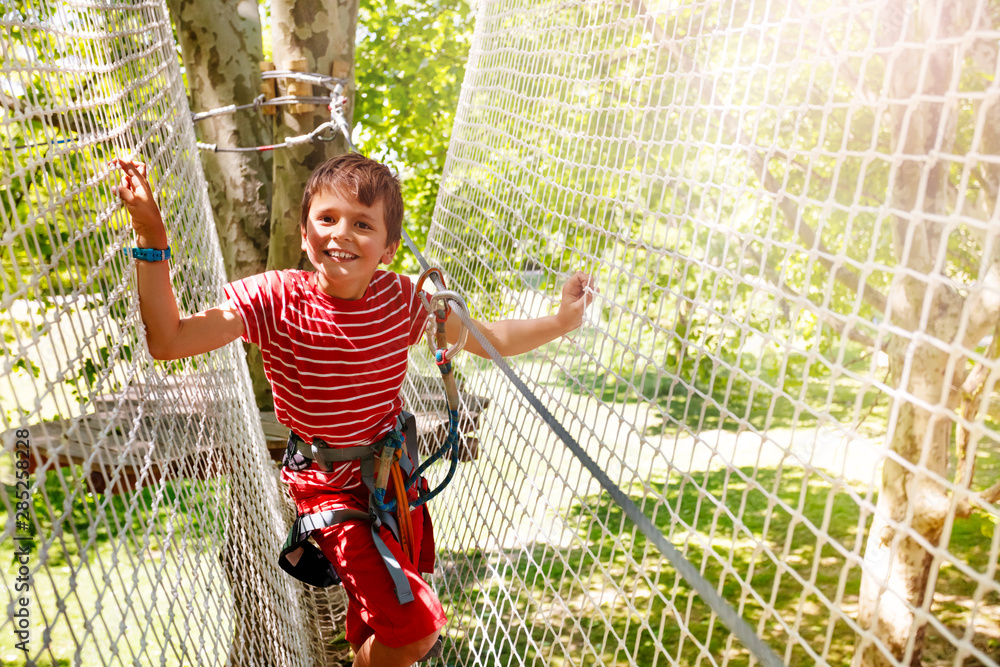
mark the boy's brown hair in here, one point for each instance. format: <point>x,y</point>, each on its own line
<point>367,180</point>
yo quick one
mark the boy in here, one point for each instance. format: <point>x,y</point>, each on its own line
<point>334,344</point>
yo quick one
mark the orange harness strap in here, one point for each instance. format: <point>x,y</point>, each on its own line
<point>403,511</point>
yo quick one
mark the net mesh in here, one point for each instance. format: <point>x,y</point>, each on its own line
<point>791,212</point>
<point>155,512</point>
<point>790,209</point>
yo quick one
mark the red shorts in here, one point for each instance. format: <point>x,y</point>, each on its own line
<point>372,607</point>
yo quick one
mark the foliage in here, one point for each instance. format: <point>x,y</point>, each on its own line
<point>409,62</point>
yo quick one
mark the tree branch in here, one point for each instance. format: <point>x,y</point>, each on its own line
<point>808,235</point>
<point>991,189</point>
<point>838,326</point>
<point>990,496</point>
<point>853,78</point>
<point>972,398</point>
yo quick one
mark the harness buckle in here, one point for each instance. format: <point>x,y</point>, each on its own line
<point>293,459</point>
<point>325,466</point>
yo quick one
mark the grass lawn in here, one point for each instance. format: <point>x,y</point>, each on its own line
<point>610,598</point>
<point>132,579</point>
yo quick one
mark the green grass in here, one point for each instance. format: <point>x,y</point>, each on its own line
<point>133,577</point>
<point>612,594</point>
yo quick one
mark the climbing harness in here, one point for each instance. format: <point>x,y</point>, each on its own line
<point>336,102</point>
<point>303,560</point>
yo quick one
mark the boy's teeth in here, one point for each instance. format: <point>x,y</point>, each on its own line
<point>339,255</point>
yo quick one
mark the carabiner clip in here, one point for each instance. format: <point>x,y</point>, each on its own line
<point>427,274</point>
<point>444,296</point>
<point>455,298</point>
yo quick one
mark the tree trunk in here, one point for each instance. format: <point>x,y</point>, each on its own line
<point>912,509</point>
<point>321,34</point>
<point>222,48</point>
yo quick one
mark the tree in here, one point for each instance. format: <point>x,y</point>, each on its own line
<point>222,49</point>
<point>255,200</point>
<point>319,36</point>
<point>943,295</point>
<point>410,61</point>
<point>913,505</point>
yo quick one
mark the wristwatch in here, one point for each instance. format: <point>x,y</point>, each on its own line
<point>148,254</point>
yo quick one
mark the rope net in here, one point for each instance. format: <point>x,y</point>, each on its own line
<point>791,210</point>
<point>155,513</point>
<point>790,368</point>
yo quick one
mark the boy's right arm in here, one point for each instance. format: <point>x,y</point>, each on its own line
<point>168,335</point>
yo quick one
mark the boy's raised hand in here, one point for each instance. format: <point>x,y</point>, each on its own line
<point>137,195</point>
<point>511,337</point>
<point>577,293</point>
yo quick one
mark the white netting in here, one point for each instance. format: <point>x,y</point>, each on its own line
<point>791,209</point>
<point>791,212</point>
<point>155,513</point>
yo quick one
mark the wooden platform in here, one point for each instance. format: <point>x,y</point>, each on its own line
<point>147,435</point>
<point>132,436</point>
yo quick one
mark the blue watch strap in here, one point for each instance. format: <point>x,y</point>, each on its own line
<point>148,254</point>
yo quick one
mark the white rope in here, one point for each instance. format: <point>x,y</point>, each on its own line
<point>161,571</point>
<point>731,176</point>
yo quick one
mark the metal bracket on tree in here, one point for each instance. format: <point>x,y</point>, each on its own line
<point>336,102</point>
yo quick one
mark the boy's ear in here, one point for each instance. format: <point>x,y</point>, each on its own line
<point>390,252</point>
<point>302,244</point>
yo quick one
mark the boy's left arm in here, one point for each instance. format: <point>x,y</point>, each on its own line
<point>512,337</point>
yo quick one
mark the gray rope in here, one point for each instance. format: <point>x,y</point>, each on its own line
<point>336,124</point>
<point>689,572</point>
<point>258,103</point>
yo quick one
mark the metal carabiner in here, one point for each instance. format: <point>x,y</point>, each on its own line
<point>328,127</point>
<point>427,274</point>
<point>456,298</point>
<point>444,295</point>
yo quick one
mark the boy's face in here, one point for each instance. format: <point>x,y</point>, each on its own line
<point>345,240</point>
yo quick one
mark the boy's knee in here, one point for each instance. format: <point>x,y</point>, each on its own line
<point>420,648</point>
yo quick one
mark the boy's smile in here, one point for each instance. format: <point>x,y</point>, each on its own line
<point>346,241</point>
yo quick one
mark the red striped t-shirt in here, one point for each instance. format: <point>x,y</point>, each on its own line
<point>335,366</point>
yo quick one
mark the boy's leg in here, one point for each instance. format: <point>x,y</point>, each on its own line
<point>381,628</point>
<point>373,653</point>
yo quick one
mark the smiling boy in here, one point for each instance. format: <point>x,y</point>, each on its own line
<point>334,343</point>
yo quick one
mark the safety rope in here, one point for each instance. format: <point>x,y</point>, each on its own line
<point>403,518</point>
<point>336,101</point>
<point>442,357</point>
<point>689,572</point>
<point>443,354</point>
